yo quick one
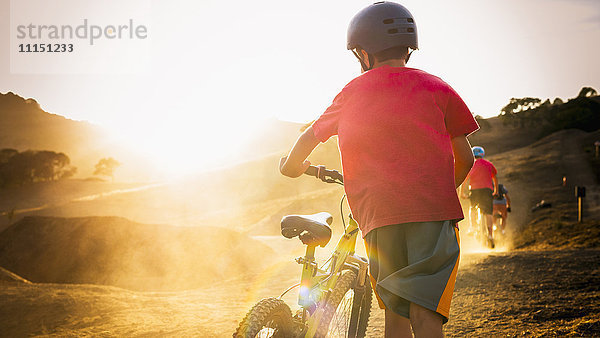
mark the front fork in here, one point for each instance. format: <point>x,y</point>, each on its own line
<point>360,266</point>
<point>359,293</point>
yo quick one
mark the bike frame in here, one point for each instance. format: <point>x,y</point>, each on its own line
<point>316,283</point>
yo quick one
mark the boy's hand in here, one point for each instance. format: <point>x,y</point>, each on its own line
<point>281,163</point>
<point>291,169</point>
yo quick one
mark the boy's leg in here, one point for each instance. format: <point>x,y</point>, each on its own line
<point>487,208</point>
<point>472,218</point>
<point>504,215</point>
<point>496,215</point>
<point>490,225</point>
<point>391,259</point>
<point>425,323</point>
<point>396,325</point>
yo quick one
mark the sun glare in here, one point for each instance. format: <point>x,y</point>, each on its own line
<point>185,146</point>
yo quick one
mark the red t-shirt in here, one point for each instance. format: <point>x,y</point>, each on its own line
<point>394,126</point>
<point>481,174</point>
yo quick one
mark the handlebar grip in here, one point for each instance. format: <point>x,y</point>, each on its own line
<point>312,171</point>
<point>324,174</point>
<point>336,175</point>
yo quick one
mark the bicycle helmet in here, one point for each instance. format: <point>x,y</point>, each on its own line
<point>381,26</point>
<point>478,151</point>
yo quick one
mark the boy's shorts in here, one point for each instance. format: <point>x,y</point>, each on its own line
<point>500,209</point>
<point>483,199</point>
<point>414,263</point>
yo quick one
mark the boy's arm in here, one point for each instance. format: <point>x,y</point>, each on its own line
<point>464,189</point>
<point>295,164</point>
<point>507,200</point>
<point>495,179</point>
<point>463,159</point>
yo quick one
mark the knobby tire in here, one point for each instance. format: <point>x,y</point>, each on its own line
<point>270,317</point>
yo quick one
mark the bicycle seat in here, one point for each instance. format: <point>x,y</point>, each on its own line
<point>311,229</point>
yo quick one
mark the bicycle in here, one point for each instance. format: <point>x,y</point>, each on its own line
<point>335,299</point>
<point>479,228</point>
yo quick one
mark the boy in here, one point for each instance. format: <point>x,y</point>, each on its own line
<point>501,207</point>
<point>482,184</point>
<point>402,138</point>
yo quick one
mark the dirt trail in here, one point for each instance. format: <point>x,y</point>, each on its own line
<point>497,294</point>
<point>83,198</point>
<point>79,310</point>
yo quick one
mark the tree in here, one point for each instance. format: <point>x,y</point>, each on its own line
<point>106,167</point>
<point>587,92</point>
<point>579,113</point>
<point>6,154</point>
<point>33,166</point>
<point>513,112</point>
<point>582,112</point>
<point>518,105</point>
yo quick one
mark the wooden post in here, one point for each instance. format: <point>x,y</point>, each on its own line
<point>580,194</point>
<point>579,209</point>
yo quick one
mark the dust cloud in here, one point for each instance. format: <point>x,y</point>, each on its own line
<point>115,251</point>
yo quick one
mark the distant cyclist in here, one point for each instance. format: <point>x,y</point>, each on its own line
<point>482,184</point>
<point>501,207</point>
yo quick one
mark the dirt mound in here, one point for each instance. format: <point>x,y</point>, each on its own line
<point>115,251</point>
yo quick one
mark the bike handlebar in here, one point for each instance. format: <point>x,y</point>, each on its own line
<point>325,175</point>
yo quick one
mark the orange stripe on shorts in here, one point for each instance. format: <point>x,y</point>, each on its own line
<point>374,282</point>
<point>443,307</point>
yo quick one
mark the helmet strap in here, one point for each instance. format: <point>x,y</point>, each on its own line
<point>408,56</point>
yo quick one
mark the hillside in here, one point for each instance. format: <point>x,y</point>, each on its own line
<point>498,137</point>
<point>118,252</point>
<point>26,126</point>
<point>536,173</point>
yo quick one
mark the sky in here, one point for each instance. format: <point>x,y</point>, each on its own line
<point>211,71</point>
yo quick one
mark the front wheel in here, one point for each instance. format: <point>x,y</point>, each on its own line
<point>271,317</point>
<point>346,308</point>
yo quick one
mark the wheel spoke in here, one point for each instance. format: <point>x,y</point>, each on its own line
<point>341,319</point>
<point>267,331</point>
